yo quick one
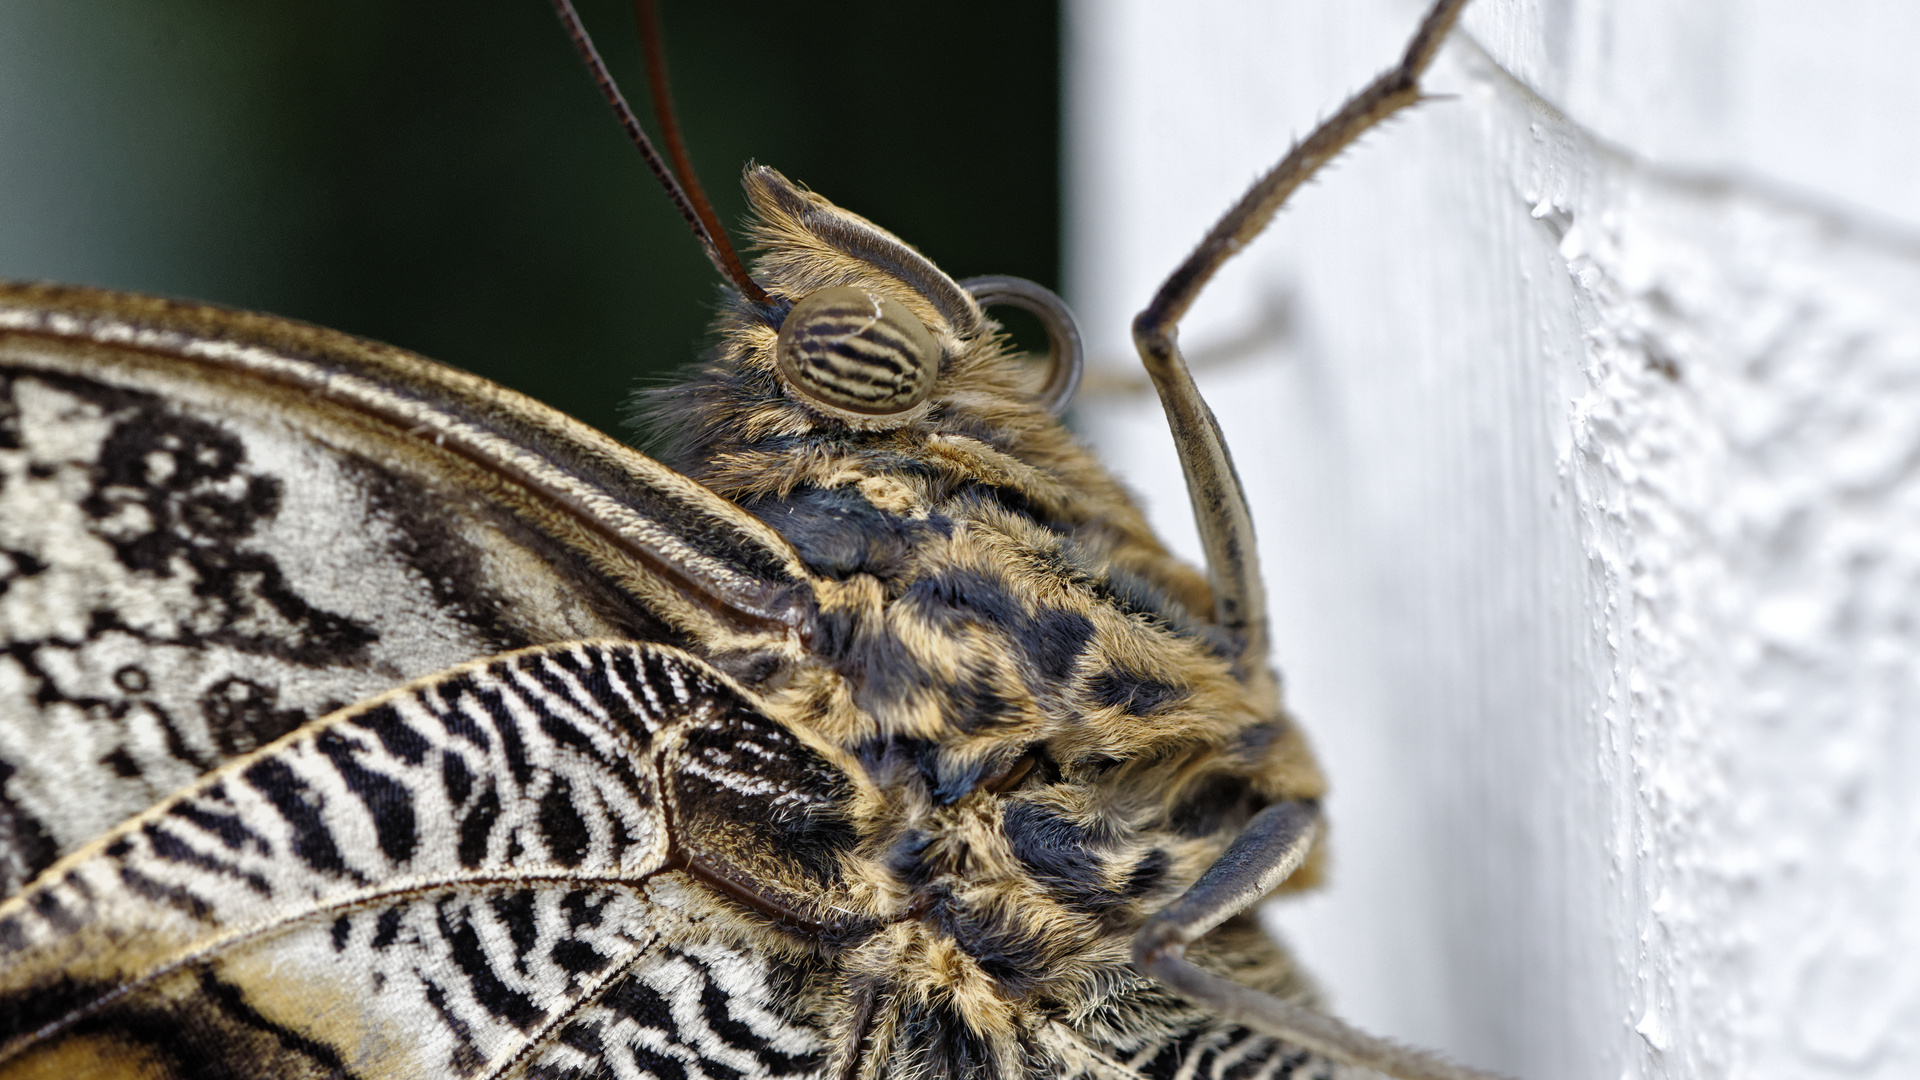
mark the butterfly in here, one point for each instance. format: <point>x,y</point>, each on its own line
<point>365,718</point>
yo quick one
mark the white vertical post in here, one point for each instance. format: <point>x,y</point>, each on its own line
<point>1583,435</point>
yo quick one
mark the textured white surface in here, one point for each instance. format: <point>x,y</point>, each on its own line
<point>1584,441</point>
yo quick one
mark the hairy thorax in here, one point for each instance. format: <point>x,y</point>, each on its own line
<point>1045,725</point>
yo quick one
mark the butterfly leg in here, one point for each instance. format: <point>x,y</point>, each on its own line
<point>1219,503</point>
<point>1266,853</point>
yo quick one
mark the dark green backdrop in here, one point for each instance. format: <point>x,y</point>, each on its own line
<point>440,174</point>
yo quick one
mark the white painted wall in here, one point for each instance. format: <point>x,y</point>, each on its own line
<point>1586,461</point>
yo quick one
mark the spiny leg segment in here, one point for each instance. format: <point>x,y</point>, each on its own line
<point>1219,503</point>
<point>1279,838</point>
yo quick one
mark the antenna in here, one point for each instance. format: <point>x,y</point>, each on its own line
<point>689,200</point>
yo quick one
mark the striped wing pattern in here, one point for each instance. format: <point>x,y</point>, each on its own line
<point>688,1011</point>
<point>474,875</point>
<point>1226,1052</point>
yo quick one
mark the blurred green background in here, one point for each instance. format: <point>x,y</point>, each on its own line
<point>440,174</point>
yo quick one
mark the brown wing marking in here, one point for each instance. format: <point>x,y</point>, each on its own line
<point>564,469</point>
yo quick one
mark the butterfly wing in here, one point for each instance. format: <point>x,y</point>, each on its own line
<point>216,526</point>
<point>486,872</point>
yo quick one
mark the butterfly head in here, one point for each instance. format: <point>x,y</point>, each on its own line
<point>870,325</point>
<point>862,334</point>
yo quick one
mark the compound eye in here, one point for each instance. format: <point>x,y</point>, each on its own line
<point>857,354</point>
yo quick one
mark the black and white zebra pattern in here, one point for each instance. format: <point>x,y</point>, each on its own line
<point>459,878</point>
<point>1224,1052</point>
<point>694,1011</point>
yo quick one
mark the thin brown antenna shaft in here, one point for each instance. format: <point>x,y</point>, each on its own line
<point>657,87</point>
<point>583,44</point>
